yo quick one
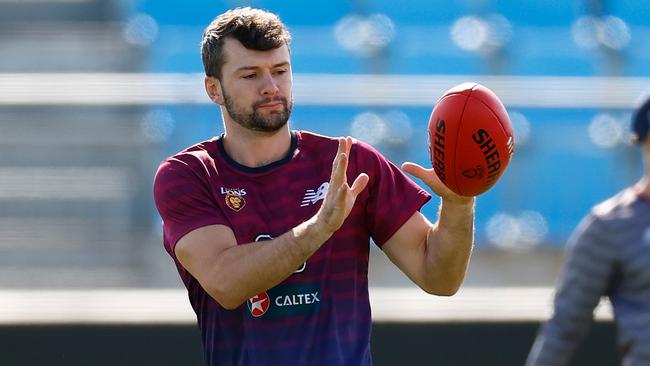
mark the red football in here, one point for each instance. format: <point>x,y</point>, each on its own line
<point>470,139</point>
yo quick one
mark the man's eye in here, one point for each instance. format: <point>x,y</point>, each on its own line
<point>249,76</point>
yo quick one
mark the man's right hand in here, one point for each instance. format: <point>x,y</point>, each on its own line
<point>340,196</point>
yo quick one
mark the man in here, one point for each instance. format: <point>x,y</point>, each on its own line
<point>269,238</point>
<point>608,255</point>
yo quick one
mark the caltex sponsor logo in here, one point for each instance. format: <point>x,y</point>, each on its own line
<point>259,305</point>
<point>297,299</point>
<point>285,300</point>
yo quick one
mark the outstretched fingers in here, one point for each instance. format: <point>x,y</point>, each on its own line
<point>360,183</point>
<point>340,196</point>
<point>345,196</point>
<point>339,171</point>
<point>428,176</point>
<point>340,164</point>
<point>431,179</point>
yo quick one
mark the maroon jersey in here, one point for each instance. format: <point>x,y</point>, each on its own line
<point>320,315</point>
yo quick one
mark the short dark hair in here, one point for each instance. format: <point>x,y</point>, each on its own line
<point>255,29</point>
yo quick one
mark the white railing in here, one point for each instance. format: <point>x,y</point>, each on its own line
<point>172,306</point>
<point>322,89</point>
<point>63,183</point>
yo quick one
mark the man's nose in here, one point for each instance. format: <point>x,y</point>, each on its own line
<point>269,85</point>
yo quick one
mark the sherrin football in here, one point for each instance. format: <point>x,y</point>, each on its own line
<point>470,139</point>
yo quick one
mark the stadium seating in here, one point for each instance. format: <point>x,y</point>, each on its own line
<point>76,178</point>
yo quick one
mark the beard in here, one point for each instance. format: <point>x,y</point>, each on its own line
<point>254,120</point>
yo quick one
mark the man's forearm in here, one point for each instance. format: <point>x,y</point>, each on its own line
<point>245,270</point>
<point>449,246</point>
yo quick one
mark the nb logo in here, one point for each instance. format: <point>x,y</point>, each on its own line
<point>313,196</point>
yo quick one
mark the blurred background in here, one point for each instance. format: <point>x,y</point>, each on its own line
<point>95,93</point>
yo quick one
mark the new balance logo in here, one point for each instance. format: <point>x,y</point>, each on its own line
<point>313,196</point>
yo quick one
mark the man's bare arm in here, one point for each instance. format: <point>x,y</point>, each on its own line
<point>233,273</point>
<point>435,256</point>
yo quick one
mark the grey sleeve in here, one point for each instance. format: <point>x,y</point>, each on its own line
<point>587,273</point>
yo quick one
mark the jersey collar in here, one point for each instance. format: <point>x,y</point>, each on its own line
<point>261,169</point>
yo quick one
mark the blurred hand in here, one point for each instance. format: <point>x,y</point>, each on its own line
<point>340,197</point>
<point>430,178</point>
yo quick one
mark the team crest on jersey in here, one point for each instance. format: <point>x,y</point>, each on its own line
<point>234,198</point>
<point>235,202</point>
<point>259,305</point>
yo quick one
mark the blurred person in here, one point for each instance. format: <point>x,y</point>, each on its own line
<point>267,235</point>
<point>608,255</point>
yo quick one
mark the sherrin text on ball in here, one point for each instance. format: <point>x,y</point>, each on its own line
<point>471,139</point>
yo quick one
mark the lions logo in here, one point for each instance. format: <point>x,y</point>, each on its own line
<point>235,202</point>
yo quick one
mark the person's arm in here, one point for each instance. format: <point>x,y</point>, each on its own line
<point>435,256</point>
<point>233,273</point>
<point>587,274</point>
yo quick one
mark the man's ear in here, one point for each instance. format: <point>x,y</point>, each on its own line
<point>213,88</point>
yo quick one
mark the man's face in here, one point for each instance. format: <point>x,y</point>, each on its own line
<point>256,86</point>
